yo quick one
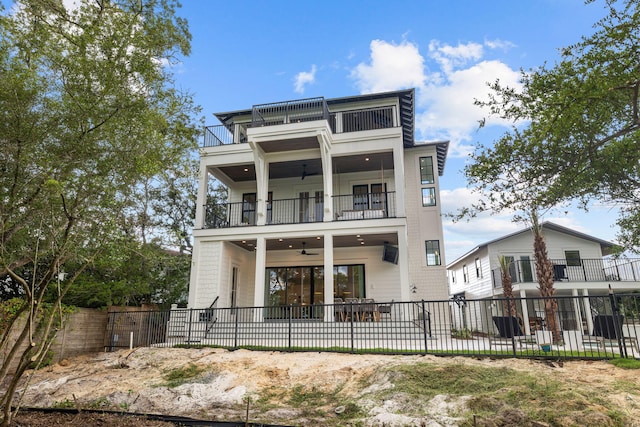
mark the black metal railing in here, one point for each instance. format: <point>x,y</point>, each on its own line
<point>364,206</point>
<point>299,111</point>
<point>302,210</point>
<point>295,211</point>
<point>574,270</point>
<point>587,327</point>
<point>363,119</point>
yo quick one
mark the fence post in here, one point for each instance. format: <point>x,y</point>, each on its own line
<point>353,349</point>
<point>235,332</point>
<point>189,328</point>
<point>616,326</point>
<point>290,322</point>
<point>424,327</point>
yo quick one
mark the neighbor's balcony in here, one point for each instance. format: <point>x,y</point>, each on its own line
<point>300,210</point>
<point>299,111</point>
<point>574,270</point>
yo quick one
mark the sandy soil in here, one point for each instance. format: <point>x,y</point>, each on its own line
<point>135,381</point>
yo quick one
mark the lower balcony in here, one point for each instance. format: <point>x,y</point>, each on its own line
<point>350,207</point>
<point>574,270</point>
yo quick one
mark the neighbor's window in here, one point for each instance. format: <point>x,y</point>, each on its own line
<point>433,252</point>
<point>573,258</point>
<point>465,274</point>
<point>426,170</point>
<point>478,268</point>
<point>429,196</point>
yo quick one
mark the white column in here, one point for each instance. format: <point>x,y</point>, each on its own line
<point>201,200</point>
<point>587,310</point>
<point>259,286</point>
<point>262,186</point>
<point>576,309</point>
<point>328,277</point>
<point>327,175</point>
<point>398,174</point>
<point>525,312</point>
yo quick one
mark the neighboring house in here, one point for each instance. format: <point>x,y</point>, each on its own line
<point>327,198</point>
<point>580,264</point>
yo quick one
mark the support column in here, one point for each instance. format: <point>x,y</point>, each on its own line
<point>262,186</point>
<point>259,285</point>
<point>327,175</point>
<point>398,175</point>
<point>587,310</point>
<point>201,200</point>
<point>525,312</point>
<point>328,278</point>
<point>576,309</point>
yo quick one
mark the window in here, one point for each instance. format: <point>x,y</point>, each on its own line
<point>234,288</point>
<point>249,208</point>
<point>433,252</point>
<point>429,196</point>
<point>465,274</point>
<point>478,268</point>
<point>426,170</point>
<point>573,258</point>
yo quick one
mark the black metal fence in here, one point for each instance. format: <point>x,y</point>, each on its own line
<point>587,327</point>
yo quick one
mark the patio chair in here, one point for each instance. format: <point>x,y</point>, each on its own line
<point>509,331</point>
<point>369,310</point>
<point>607,333</point>
<point>339,309</point>
<point>352,307</point>
<point>385,309</point>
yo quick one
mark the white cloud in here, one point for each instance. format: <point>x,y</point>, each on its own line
<point>445,107</point>
<point>304,78</point>
<point>392,67</point>
<point>499,44</point>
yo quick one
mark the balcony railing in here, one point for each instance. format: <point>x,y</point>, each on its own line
<point>364,206</point>
<point>303,110</point>
<point>574,270</point>
<point>302,210</point>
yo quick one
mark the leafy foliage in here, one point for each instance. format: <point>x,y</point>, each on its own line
<point>88,116</point>
<point>581,132</point>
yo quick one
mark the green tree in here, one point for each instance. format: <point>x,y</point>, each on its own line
<point>576,128</point>
<point>87,114</point>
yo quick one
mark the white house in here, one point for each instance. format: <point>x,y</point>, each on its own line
<point>581,268</point>
<point>327,198</point>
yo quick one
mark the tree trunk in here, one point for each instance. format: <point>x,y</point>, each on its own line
<point>507,288</point>
<point>544,271</point>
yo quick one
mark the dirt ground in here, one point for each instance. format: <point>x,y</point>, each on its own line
<point>136,381</point>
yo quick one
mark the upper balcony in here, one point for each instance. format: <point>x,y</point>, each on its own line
<point>574,270</point>
<point>234,129</point>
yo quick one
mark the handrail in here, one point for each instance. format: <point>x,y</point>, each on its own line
<point>211,319</point>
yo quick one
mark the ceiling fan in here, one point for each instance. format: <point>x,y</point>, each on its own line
<point>304,251</point>
<point>305,173</point>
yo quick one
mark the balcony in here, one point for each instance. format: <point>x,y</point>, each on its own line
<point>297,112</point>
<point>303,210</point>
<point>574,270</point>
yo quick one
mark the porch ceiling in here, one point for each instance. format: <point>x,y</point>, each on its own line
<point>345,164</point>
<point>313,242</point>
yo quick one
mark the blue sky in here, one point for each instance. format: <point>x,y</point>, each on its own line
<point>250,52</point>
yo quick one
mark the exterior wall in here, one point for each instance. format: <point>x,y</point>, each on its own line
<point>474,287</point>
<point>517,245</point>
<point>423,223</point>
<point>206,273</point>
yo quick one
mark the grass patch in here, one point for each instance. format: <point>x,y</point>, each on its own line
<point>497,393</point>
<point>626,363</point>
<point>183,375</point>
